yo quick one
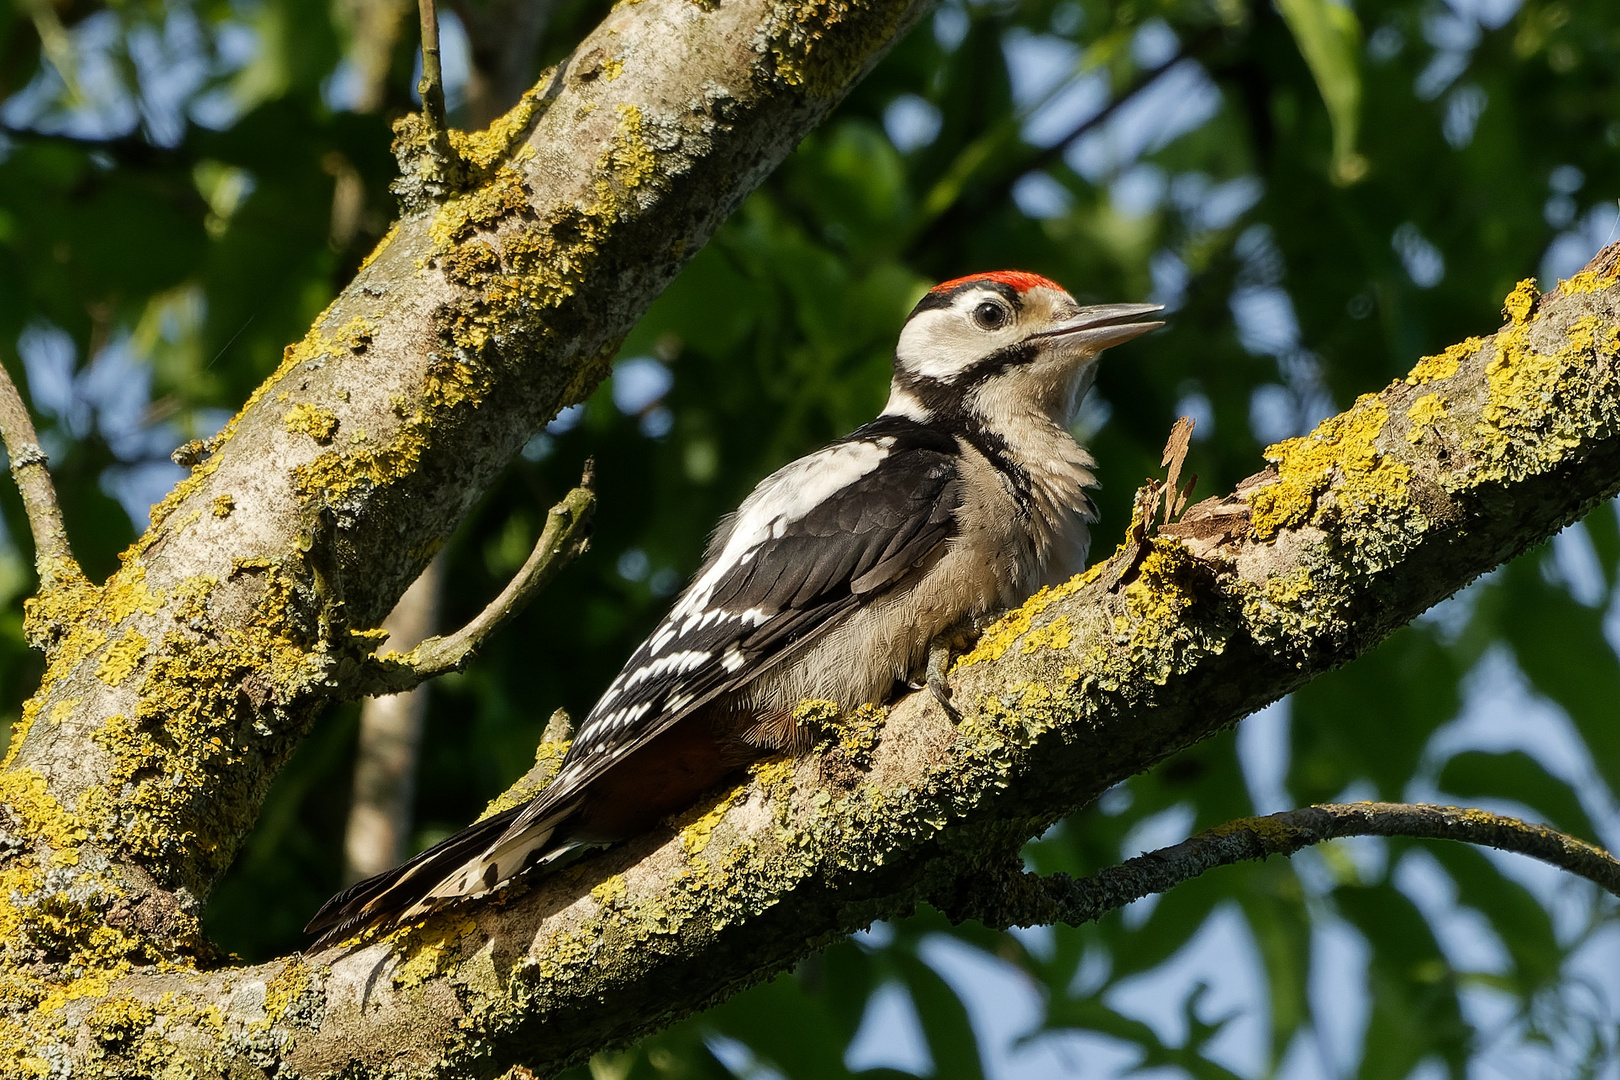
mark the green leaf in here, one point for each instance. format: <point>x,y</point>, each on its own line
<point>785,1026</point>
<point>1274,905</point>
<point>1092,1014</point>
<point>1329,37</point>
<point>1561,648</point>
<point>1415,1010</point>
<point>944,1021</point>
<point>1517,917</point>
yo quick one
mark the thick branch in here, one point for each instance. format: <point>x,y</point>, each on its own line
<point>1031,900</point>
<point>1481,453</point>
<point>53,558</point>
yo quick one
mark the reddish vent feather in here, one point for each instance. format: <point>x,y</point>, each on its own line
<point>1019,280</point>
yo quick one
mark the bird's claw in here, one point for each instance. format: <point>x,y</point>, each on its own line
<point>939,660</point>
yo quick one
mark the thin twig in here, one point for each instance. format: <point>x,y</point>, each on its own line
<point>53,557</point>
<point>431,85</point>
<point>565,537</point>
<point>1019,899</point>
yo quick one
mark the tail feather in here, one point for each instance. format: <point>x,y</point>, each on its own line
<point>468,863</point>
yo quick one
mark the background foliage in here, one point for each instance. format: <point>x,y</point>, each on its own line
<point>1320,192</point>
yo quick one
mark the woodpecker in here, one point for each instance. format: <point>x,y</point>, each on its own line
<point>838,578</point>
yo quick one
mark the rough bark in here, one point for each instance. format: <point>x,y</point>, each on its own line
<point>175,691</point>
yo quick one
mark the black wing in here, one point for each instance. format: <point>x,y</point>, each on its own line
<point>854,519</point>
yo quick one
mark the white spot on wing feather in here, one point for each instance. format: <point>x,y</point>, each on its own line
<point>781,499</point>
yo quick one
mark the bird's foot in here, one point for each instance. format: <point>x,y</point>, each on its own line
<point>939,662</point>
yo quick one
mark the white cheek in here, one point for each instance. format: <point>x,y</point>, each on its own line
<point>903,402</point>
<point>940,345</point>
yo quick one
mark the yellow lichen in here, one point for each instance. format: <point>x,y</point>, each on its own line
<point>859,733</point>
<point>774,776</point>
<point>126,594</point>
<point>119,1020</point>
<point>1525,424</point>
<point>430,947</point>
<point>1591,281</point>
<point>1054,635</point>
<point>1444,366</point>
<point>334,476</point>
<point>629,154</point>
<point>1275,832</point>
<point>289,984</point>
<point>40,815</point>
<point>1001,635</point>
<point>1163,586</point>
<point>1343,448</point>
<point>312,420</point>
<point>695,835</point>
<point>610,891</point>
<point>484,148</point>
<point>121,658</point>
<point>61,711</point>
<point>1521,302</point>
<point>1425,412</point>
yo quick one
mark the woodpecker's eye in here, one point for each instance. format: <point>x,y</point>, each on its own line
<point>990,315</point>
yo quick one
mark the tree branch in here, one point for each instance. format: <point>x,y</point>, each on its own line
<point>184,682</point>
<point>1022,899</point>
<point>565,537</point>
<point>1479,454</point>
<point>431,85</point>
<point>53,557</point>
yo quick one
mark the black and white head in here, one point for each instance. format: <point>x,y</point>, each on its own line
<point>1004,341</point>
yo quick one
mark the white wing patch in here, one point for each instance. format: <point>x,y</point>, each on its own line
<point>780,499</point>
<point>695,635</point>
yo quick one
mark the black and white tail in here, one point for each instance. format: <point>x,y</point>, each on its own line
<point>469,863</point>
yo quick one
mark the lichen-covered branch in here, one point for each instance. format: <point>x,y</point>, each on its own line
<point>1023,899</point>
<point>175,690</point>
<point>565,537</point>
<point>53,556</point>
<point>1353,530</point>
<point>430,87</point>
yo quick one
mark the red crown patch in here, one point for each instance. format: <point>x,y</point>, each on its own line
<point>1018,280</point>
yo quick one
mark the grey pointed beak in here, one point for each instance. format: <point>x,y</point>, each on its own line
<point>1102,327</point>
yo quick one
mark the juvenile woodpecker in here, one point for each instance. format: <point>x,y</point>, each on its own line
<point>835,579</point>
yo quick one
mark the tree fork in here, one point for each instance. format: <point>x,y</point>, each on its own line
<point>181,685</point>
